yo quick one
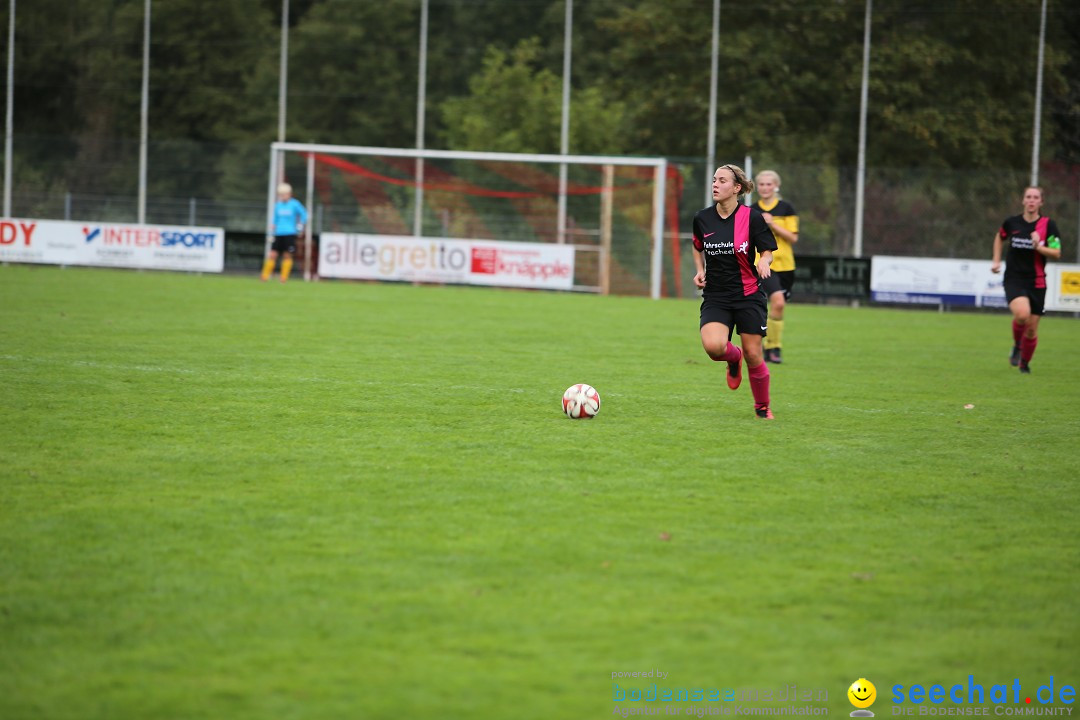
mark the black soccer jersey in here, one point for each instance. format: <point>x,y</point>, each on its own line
<point>1022,263</point>
<point>730,272</point>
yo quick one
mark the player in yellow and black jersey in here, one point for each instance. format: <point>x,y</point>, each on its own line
<point>784,223</point>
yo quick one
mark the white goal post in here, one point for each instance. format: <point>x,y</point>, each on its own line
<point>279,150</point>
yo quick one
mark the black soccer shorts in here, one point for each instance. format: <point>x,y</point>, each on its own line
<point>779,281</point>
<point>1026,288</point>
<point>284,244</point>
<point>749,315</point>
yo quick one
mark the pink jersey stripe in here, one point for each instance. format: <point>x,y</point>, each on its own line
<point>1042,226</point>
<point>742,250</point>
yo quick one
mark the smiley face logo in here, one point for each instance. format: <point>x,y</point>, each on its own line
<point>862,693</point>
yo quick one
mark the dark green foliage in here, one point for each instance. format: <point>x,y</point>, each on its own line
<point>951,83</point>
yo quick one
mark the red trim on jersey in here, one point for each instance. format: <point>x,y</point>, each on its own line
<point>1041,227</point>
<point>742,250</point>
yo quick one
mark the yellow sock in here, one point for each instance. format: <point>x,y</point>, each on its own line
<point>286,268</point>
<point>268,268</point>
<point>776,333</point>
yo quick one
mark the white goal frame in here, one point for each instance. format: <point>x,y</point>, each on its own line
<point>659,165</point>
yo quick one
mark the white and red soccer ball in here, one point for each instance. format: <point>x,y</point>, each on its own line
<point>580,401</point>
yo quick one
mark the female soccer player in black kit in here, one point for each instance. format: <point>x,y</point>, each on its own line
<point>726,236</point>
<point>1032,238</point>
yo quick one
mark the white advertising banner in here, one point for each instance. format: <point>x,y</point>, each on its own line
<point>1063,287</point>
<point>153,247</point>
<point>935,281</point>
<point>442,260</point>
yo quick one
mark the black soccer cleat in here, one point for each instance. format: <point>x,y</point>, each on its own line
<point>1014,356</point>
<point>1024,368</point>
<point>764,413</point>
<point>776,356</point>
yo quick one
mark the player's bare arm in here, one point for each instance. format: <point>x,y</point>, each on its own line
<point>763,264</point>
<point>1043,248</point>
<point>780,232</point>
<point>699,263</point>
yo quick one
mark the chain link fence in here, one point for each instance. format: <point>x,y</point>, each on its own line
<point>950,213</point>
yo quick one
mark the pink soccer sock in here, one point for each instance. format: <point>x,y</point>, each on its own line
<point>759,385</point>
<point>1018,332</point>
<point>731,354</point>
<point>1027,347</point>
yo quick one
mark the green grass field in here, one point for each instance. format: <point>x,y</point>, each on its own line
<point>227,499</point>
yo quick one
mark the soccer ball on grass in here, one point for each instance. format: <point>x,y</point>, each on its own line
<point>580,401</point>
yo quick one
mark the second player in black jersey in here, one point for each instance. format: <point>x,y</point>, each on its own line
<point>1032,238</point>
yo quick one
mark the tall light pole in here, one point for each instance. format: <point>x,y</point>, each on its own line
<point>564,133</point>
<point>283,72</point>
<point>710,159</point>
<point>144,113</point>
<point>9,122</point>
<point>421,107</point>
<point>860,175</point>
<point>283,90</point>
<point>277,160</point>
<point>1038,99</point>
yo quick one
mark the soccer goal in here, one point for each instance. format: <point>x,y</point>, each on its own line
<point>573,222</point>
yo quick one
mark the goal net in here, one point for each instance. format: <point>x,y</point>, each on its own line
<point>585,223</point>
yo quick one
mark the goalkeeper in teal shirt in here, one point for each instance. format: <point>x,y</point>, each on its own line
<point>290,216</point>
